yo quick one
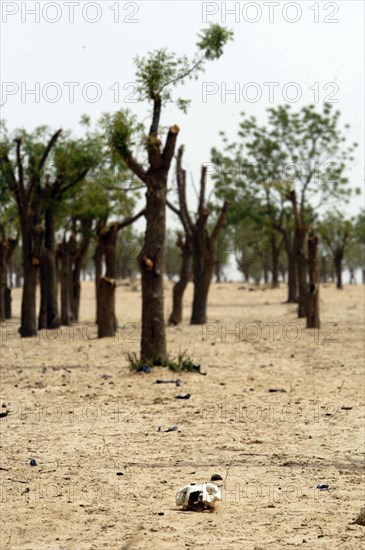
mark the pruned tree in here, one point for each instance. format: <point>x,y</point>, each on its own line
<point>8,245</point>
<point>107,250</point>
<point>312,297</point>
<point>39,168</point>
<point>202,240</point>
<point>337,231</point>
<point>298,158</point>
<point>157,74</point>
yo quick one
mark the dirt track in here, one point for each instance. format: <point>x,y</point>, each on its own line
<point>271,448</point>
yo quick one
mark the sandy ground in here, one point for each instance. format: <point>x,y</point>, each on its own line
<point>106,478</point>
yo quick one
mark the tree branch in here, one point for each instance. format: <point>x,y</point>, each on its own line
<point>181,188</point>
<point>203,182</point>
<point>220,222</point>
<point>174,209</point>
<point>156,114</point>
<point>135,167</point>
<point>49,148</point>
<point>19,162</point>
<point>170,144</point>
<point>130,220</point>
<point>57,189</point>
<point>183,75</point>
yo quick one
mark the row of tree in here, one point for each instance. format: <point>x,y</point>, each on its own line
<point>66,196</point>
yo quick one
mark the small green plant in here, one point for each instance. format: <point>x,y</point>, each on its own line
<point>179,364</point>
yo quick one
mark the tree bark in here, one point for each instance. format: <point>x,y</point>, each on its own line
<point>181,284</point>
<point>292,277</point>
<point>7,249</point>
<point>98,272</point>
<point>312,306</point>
<point>64,255</point>
<point>203,259</point>
<point>151,261</point>
<point>12,244</point>
<point>300,233</point>
<point>300,239</point>
<point>3,281</point>
<point>106,319</point>
<point>338,257</point>
<point>275,252</point>
<point>266,266</point>
<point>106,284</point>
<point>151,257</point>
<point>32,246</point>
<point>78,259</point>
<point>48,314</point>
<point>204,250</point>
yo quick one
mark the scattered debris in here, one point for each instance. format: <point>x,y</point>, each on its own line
<point>120,474</point>
<point>171,429</point>
<point>25,491</point>
<point>161,513</point>
<point>274,390</point>
<point>145,368</point>
<point>322,487</point>
<point>216,477</point>
<point>177,382</point>
<point>187,396</point>
<point>198,498</point>
<point>105,376</point>
<point>346,408</point>
<point>360,520</point>
<point>3,414</point>
<point>33,462</point>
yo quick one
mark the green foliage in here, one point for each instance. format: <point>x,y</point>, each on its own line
<point>212,41</point>
<point>160,70</point>
<point>302,150</point>
<point>121,130</point>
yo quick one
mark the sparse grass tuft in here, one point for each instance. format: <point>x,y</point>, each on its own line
<point>179,364</point>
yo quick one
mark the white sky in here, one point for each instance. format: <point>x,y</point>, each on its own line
<point>304,52</point>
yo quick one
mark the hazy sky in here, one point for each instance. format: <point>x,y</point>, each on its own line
<point>312,50</point>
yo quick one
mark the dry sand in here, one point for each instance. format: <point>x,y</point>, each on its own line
<point>272,449</point>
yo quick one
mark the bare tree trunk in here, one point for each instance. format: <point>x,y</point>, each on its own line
<point>48,314</point>
<point>106,284</point>
<point>204,250</point>
<point>151,257</point>
<point>312,306</point>
<point>275,252</point>
<point>78,259</point>
<point>106,319</point>
<point>292,277</point>
<point>98,272</point>
<point>181,284</point>
<point>151,261</point>
<point>3,285</point>
<point>64,254</point>
<point>202,269</point>
<point>7,249</point>
<point>32,245</point>
<point>266,265</point>
<point>76,289</point>
<point>338,257</point>
<point>291,262</point>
